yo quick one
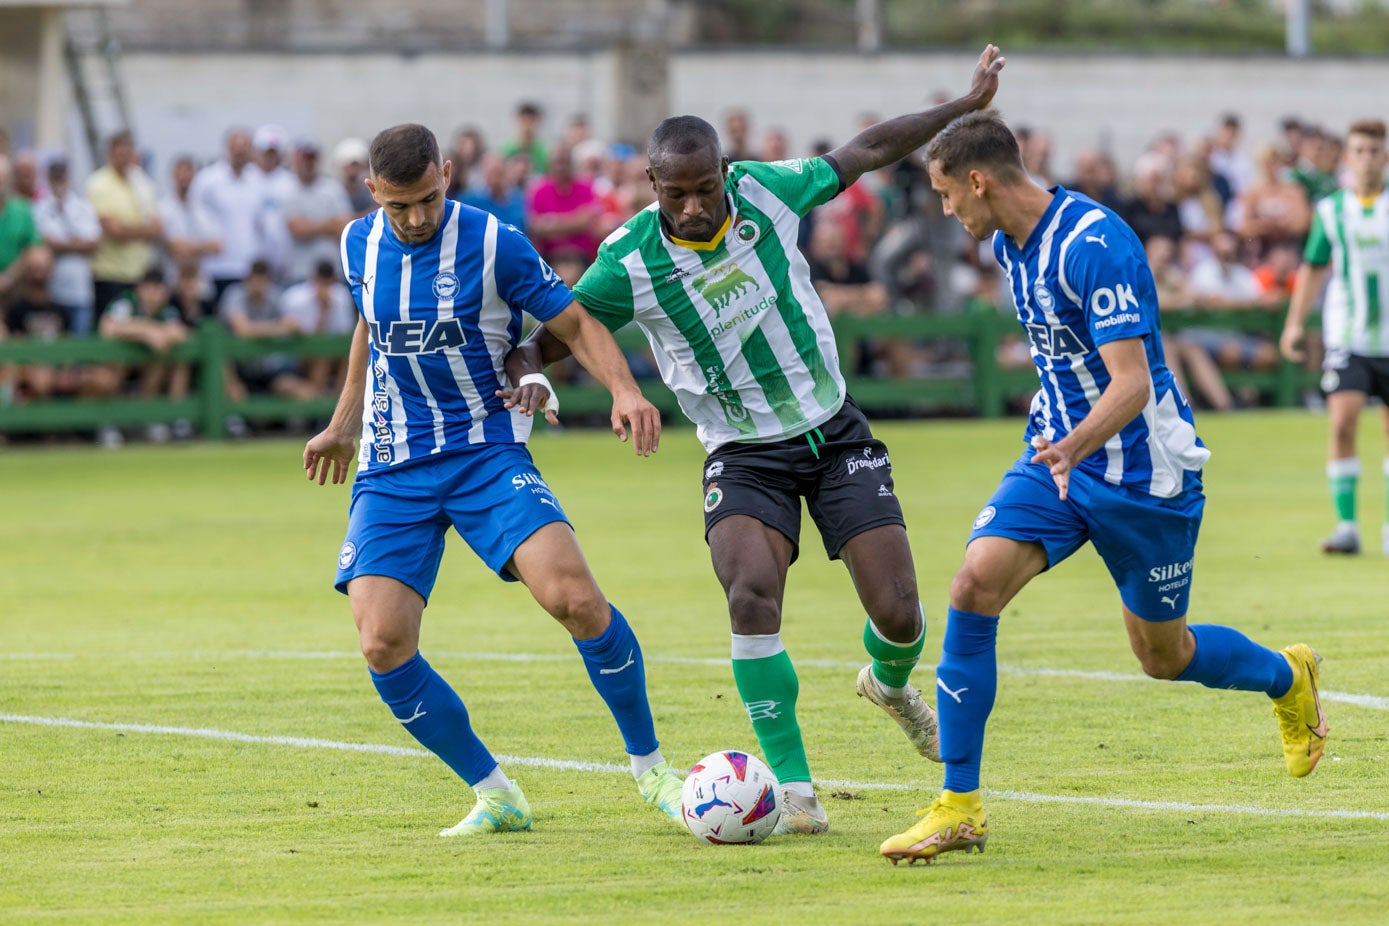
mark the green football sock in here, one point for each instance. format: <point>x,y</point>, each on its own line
<point>1342,475</point>
<point>768,687</point>
<point>892,662</point>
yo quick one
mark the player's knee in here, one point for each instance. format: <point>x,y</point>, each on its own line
<point>581,608</point>
<point>384,648</point>
<point>1161,664</point>
<point>969,591</point>
<point>752,610</point>
<point>896,615</point>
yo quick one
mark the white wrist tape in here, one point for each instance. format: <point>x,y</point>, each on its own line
<point>552,403</point>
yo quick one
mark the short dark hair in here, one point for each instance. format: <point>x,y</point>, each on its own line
<point>325,270</point>
<point>977,139</point>
<point>154,275</point>
<point>260,267</point>
<point>1373,128</point>
<point>680,135</point>
<point>402,153</point>
<point>529,109</point>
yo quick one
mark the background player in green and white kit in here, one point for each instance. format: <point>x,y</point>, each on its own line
<point>711,273</point>
<point>1350,243</point>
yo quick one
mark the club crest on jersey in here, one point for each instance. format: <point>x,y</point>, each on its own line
<point>446,286</point>
<point>1043,297</point>
<point>795,164</point>
<point>985,516</point>
<point>747,231</point>
<point>713,497</point>
<point>347,555</point>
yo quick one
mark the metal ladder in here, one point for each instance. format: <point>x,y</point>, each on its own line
<point>101,98</point>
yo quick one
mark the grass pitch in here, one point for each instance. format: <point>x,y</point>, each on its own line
<point>177,601</point>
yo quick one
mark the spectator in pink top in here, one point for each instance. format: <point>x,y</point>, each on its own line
<point>564,213</point>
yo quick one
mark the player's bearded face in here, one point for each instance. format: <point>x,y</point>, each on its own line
<point>689,189</point>
<point>414,209</point>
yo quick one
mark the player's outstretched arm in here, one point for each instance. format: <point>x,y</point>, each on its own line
<point>593,345</point>
<point>1306,286</point>
<point>332,448</point>
<point>1130,382</point>
<point>888,142</point>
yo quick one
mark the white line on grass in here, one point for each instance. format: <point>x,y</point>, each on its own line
<point>1374,702</point>
<point>570,765</point>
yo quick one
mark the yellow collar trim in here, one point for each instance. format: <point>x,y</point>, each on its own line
<point>711,243</point>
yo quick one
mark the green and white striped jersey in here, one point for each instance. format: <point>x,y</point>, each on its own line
<point>1354,238</point>
<point>737,329</point>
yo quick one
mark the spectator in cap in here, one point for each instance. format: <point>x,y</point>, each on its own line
<point>271,147</point>
<point>351,157</point>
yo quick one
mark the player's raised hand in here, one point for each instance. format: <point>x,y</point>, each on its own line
<point>630,409</point>
<point>1054,458</point>
<point>329,450</point>
<point>985,83</point>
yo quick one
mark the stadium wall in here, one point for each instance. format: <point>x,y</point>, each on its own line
<point>182,102</point>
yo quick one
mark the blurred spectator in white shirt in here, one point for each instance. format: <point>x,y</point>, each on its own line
<point>322,305</point>
<point>315,213</point>
<point>72,232</point>
<point>190,233</point>
<point>233,192</point>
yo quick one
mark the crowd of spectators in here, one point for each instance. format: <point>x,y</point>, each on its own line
<point>251,239</point>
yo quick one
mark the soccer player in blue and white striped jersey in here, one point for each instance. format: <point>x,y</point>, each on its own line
<point>1113,459</point>
<point>440,288</point>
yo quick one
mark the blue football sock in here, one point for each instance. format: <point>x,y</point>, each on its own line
<point>1226,658</point>
<point>966,682</point>
<point>613,660</point>
<point>432,713</point>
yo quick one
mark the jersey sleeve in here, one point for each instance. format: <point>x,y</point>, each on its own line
<point>1318,250</point>
<point>524,280</point>
<point>1108,277</point>
<point>801,183</point>
<point>605,291</point>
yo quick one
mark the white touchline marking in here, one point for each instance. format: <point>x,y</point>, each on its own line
<point>1373,702</point>
<point>299,742</point>
<point>570,765</point>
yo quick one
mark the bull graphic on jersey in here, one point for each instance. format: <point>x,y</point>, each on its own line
<point>723,283</point>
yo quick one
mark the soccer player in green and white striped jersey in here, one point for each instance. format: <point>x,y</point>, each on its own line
<point>1349,243</point>
<point>712,275</point>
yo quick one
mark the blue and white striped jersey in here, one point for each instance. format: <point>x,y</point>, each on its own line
<point>1081,280</point>
<point>442,316</point>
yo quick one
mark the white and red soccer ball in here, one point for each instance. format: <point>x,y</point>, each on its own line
<point>731,798</point>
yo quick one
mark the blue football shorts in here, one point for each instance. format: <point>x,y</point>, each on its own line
<point>492,494</point>
<point>1148,544</point>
